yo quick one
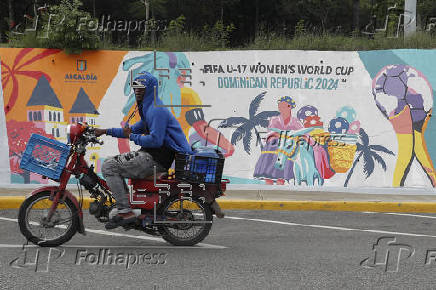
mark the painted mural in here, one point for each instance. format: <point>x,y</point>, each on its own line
<point>287,118</point>
<point>44,91</point>
<point>405,97</point>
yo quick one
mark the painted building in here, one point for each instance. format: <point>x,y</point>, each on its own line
<point>366,116</point>
<point>83,110</point>
<point>45,110</point>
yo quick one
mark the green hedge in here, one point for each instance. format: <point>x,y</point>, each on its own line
<point>186,41</point>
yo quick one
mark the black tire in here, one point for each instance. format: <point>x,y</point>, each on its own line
<point>22,218</point>
<point>205,228</point>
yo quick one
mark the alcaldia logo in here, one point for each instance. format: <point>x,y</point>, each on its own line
<point>82,65</point>
<point>80,75</point>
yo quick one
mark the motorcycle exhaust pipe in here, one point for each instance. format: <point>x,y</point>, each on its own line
<point>114,212</point>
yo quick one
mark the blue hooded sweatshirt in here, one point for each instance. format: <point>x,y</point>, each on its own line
<point>161,128</point>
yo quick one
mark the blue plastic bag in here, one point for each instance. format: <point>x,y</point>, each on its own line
<point>206,151</point>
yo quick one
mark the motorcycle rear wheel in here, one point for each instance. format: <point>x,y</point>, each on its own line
<point>64,221</point>
<point>190,210</point>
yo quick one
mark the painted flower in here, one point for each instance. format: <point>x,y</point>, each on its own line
<point>313,121</point>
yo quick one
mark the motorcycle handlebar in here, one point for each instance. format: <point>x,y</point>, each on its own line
<point>91,138</point>
<point>95,140</point>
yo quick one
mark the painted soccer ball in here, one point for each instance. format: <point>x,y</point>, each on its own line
<point>348,113</point>
<point>338,125</point>
<point>397,85</point>
<point>305,112</point>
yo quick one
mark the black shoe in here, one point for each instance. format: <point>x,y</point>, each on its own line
<point>120,219</point>
<point>217,210</point>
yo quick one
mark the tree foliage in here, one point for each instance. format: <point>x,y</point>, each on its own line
<point>65,32</point>
<point>234,22</point>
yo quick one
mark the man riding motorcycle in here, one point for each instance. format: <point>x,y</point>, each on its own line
<point>160,136</point>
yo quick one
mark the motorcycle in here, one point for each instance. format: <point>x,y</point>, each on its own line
<point>180,212</point>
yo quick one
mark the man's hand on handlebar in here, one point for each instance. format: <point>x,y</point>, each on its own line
<point>127,131</point>
<point>98,132</point>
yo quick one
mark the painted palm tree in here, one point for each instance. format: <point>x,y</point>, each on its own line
<point>367,153</point>
<point>246,126</point>
<point>18,68</point>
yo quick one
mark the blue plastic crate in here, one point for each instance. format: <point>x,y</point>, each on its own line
<point>199,169</point>
<point>206,166</point>
<point>45,156</point>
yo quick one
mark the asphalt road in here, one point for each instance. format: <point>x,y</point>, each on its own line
<point>247,250</point>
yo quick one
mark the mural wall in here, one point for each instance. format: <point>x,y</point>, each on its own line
<point>291,118</point>
<point>4,151</point>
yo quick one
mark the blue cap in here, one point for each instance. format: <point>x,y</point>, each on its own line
<point>140,81</point>
<point>288,100</point>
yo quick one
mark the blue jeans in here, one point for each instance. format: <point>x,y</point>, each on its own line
<point>135,165</point>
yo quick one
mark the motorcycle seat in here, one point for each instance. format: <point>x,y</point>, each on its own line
<point>159,175</point>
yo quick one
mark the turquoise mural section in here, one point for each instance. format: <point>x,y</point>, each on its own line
<point>167,67</point>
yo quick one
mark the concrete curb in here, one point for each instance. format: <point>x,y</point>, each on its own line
<point>14,202</point>
<point>9,202</point>
<point>357,206</point>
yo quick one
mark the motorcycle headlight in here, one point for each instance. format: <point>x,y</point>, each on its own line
<point>74,131</point>
<point>68,134</point>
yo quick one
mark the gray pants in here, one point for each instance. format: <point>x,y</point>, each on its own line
<point>135,165</point>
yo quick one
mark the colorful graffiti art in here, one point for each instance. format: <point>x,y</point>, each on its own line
<point>20,67</point>
<point>183,102</point>
<point>44,91</point>
<point>282,120</point>
<point>405,97</point>
<point>288,118</point>
<point>299,149</point>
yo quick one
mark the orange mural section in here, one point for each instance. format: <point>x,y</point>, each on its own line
<point>22,68</point>
<point>44,90</point>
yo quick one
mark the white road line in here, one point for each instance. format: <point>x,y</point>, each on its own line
<point>412,215</point>
<point>332,227</point>
<point>401,214</point>
<point>9,220</point>
<point>106,233</point>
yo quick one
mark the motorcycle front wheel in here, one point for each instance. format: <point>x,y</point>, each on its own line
<point>178,210</point>
<point>38,229</point>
